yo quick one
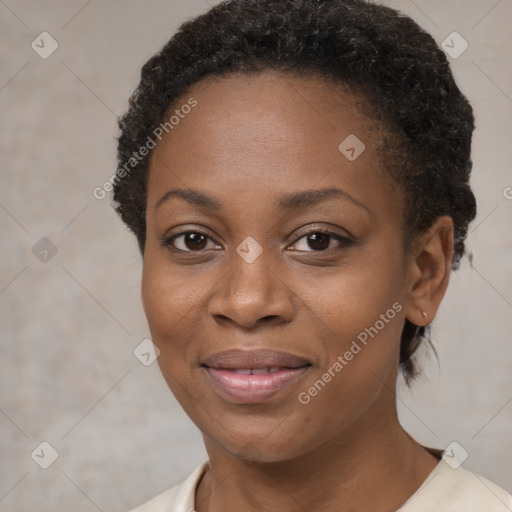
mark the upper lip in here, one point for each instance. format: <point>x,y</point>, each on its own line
<point>261,358</point>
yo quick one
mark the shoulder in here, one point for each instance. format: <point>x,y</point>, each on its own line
<point>453,490</point>
<point>179,498</point>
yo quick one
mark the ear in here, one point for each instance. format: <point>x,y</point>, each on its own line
<point>429,271</point>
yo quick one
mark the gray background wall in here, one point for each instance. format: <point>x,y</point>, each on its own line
<point>70,324</point>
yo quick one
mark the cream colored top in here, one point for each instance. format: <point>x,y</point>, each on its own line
<point>444,490</point>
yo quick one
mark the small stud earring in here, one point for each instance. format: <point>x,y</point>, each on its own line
<point>425,314</point>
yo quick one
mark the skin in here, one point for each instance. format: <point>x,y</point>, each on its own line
<point>250,140</point>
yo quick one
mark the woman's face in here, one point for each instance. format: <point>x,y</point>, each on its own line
<point>237,259</point>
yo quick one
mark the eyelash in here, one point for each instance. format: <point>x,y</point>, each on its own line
<point>344,241</point>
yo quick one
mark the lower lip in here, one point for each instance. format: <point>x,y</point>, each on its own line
<point>243,388</point>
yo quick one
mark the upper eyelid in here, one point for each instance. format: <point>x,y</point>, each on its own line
<point>301,231</point>
<point>167,240</point>
<point>332,234</point>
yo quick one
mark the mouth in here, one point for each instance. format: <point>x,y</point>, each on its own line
<point>253,376</point>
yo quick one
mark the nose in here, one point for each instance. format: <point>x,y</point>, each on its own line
<point>252,294</point>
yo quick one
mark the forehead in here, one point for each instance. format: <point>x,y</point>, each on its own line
<point>269,108</point>
<point>258,135</point>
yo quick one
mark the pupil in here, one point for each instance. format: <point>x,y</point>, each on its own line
<point>194,241</point>
<point>320,239</point>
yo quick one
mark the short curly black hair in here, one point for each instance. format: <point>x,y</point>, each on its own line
<point>379,54</point>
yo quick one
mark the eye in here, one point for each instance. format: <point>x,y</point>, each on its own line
<point>320,240</point>
<point>189,241</point>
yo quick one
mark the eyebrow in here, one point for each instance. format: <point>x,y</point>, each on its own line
<point>289,202</point>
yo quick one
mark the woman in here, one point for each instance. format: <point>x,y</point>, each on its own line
<point>296,174</point>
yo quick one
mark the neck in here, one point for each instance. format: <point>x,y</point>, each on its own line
<point>376,457</point>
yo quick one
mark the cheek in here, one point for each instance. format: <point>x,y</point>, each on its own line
<point>362,313</point>
<point>353,398</point>
<point>170,308</point>
<point>351,302</point>
<point>358,379</point>
<point>170,304</point>
<point>175,301</point>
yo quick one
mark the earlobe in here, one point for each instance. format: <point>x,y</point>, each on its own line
<point>429,271</point>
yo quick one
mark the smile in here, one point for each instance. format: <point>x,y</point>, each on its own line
<point>253,376</point>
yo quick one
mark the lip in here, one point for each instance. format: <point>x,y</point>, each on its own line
<point>253,376</point>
